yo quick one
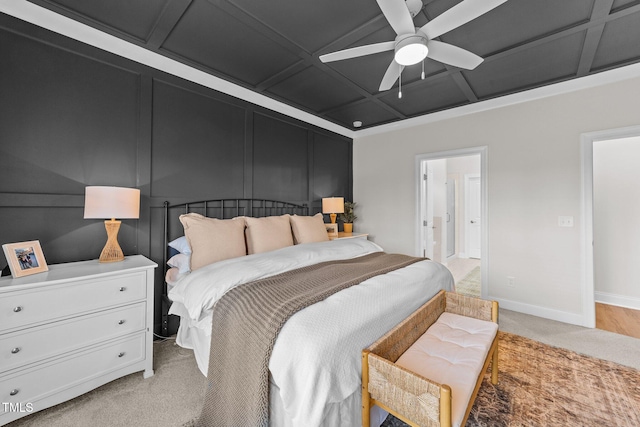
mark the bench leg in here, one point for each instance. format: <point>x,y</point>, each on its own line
<point>366,405</point>
<point>494,366</point>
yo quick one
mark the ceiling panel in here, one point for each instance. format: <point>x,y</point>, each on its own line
<point>514,23</point>
<point>272,47</point>
<point>135,18</point>
<point>434,95</point>
<point>308,23</point>
<point>620,42</point>
<point>538,65</point>
<point>315,90</point>
<point>210,36</point>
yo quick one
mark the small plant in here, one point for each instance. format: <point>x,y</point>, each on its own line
<point>348,216</point>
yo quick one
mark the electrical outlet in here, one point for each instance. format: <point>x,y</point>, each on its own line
<point>565,221</point>
<point>511,281</point>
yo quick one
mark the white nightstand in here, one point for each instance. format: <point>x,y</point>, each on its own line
<point>343,235</point>
<point>71,329</point>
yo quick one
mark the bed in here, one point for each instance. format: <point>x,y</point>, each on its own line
<point>314,366</point>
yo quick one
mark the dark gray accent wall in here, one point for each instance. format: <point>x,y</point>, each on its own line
<point>72,115</point>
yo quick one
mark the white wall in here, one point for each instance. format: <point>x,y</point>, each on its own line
<point>616,215</point>
<point>533,174</point>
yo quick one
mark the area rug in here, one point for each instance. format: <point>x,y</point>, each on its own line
<point>470,284</point>
<point>540,385</point>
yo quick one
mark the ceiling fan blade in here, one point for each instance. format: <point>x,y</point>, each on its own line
<point>398,16</point>
<point>390,76</point>
<point>458,15</point>
<point>453,55</point>
<point>355,52</point>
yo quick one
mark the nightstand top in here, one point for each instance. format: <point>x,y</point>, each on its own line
<point>343,235</point>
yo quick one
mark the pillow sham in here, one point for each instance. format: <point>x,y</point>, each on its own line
<point>308,229</point>
<point>268,233</point>
<point>213,240</point>
<point>180,261</point>
<point>181,245</point>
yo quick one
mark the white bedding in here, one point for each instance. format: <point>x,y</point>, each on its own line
<point>315,365</point>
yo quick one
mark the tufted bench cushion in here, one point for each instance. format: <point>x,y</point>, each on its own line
<point>452,352</point>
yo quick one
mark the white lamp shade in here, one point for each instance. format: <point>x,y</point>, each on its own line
<point>333,205</point>
<point>112,202</point>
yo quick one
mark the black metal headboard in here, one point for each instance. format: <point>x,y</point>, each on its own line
<point>220,209</point>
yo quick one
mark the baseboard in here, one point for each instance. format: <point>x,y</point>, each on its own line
<point>544,312</point>
<point>619,300</point>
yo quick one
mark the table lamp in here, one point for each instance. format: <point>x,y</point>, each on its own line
<point>333,206</point>
<point>111,202</point>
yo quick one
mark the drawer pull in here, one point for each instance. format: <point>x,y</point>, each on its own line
<point>121,322</point>
<point>14,392</point>
<point>15,350</point>
<point>17,309</point>
<point>121,354</point>
<point>122,289</point>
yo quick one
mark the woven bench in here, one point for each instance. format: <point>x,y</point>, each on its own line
<point>428,369</point>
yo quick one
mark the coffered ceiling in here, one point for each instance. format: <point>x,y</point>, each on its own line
<point>273,48</point>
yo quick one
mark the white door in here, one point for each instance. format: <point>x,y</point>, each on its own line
<point>473,210</point>
<point>451,217</point>
<point>427,209</point>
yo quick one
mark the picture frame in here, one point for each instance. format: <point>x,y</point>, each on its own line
<point>25,258</point>
<point>332,229</point>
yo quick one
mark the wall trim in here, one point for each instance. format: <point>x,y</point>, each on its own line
<point>618,300</point>
<point>544,312</point>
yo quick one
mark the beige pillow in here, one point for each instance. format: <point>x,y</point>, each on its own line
<point>213,240</point>
<point>308,229</point>
<point>268,233</point>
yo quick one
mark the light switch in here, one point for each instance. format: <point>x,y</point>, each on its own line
<point>565,221</point>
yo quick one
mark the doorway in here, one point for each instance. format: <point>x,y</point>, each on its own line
<point>451,212</point>
<point>611,296</point>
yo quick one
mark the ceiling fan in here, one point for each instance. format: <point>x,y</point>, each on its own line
<point>412,45</point>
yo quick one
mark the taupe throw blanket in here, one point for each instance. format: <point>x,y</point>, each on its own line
<point>246,322</point>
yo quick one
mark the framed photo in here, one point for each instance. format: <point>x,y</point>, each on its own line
<point>332,230</point>
<point>25,258</point>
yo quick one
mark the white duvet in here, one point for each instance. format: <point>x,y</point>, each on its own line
<point>315,364</point>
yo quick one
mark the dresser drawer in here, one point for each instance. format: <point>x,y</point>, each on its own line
<point>38,383</point>
<point>36,344</point>
<point>43,304</point>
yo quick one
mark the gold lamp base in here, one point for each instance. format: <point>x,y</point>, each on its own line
<point>333,218</point>
<point>112,251</point>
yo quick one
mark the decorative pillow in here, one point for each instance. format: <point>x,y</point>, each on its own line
<point>268,233</point>
<point>213,240</point>
<point>180,261</point>
<point>181,245</point>
<point>308,229</point>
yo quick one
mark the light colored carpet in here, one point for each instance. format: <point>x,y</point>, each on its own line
<point>470,284</point>
<point>174,395</point>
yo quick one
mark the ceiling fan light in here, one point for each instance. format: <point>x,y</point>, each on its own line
<point>411,51</point>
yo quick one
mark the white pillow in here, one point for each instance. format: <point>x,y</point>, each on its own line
<point>308,229</point>
<point>181,262</point>
<point>181,244</point>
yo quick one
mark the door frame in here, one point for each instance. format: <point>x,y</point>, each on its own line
<point>484,226</point>
<point>586,150</point>
<point>467,178</point>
